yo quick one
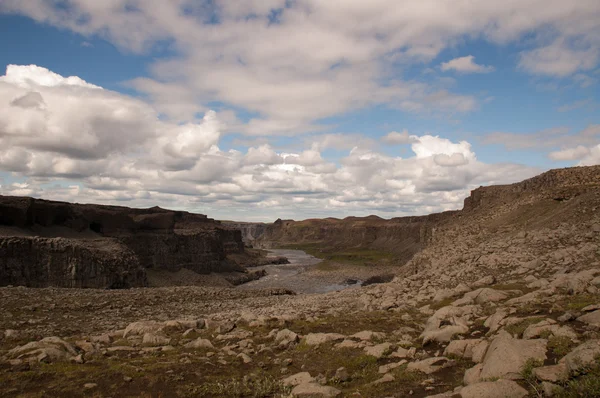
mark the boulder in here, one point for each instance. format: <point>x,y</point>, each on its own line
<point>506,356</point>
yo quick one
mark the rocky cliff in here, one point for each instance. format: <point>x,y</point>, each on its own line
<point>46,243</point>
<point>550,198</point>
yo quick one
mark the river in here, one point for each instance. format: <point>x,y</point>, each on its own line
<point>297,275</point>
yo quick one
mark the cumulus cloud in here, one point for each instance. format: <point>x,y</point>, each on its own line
<point>65,139</point>
<point>396,138</point>
<point>465,64</point>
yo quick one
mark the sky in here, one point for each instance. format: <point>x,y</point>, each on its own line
<point>262,109</point>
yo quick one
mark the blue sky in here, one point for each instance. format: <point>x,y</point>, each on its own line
<point>337,109</point>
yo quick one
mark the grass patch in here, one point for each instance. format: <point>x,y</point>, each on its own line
<point>519,327</point>
<point>560,345</point>
<point>577,302</point>
<point>255,387</point>
<point>363,257</point>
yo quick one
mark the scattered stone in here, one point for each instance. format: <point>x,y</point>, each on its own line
<point>89,386</point>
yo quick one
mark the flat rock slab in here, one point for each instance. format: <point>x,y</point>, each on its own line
<point>496,389</point>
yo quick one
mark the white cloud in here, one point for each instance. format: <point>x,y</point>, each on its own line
<point>576,153</point>
<point>396,138</point>
<point>466,64</point>
<point>321,58</point>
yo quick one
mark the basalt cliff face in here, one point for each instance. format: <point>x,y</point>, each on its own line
<point>551,200</point>
<point>46,243</point>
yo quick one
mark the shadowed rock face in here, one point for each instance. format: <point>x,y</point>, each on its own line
<point>46,243</point>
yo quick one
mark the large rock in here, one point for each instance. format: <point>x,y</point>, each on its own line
<point>506,356</point>
<point>496,389</point>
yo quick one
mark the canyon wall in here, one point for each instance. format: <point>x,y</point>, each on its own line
<point>46,243</point>
<point>250,231</point>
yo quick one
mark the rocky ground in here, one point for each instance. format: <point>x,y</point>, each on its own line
<point>533,335</point>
